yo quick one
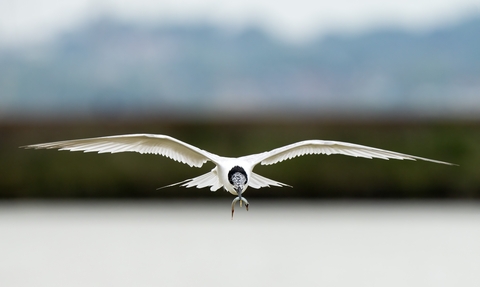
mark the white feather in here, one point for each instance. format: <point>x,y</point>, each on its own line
<point>141,143</point>
<point>328,147</point>
<point>218,176</point>
<point>257,181</point>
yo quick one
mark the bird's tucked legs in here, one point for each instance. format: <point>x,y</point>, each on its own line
<point>241,199</point>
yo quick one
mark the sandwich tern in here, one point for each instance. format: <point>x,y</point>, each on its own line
<point>233,174</point>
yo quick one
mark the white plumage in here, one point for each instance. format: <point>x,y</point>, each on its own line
<point>223,173</point>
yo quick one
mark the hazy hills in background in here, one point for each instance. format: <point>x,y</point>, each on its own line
<point>112,68</point>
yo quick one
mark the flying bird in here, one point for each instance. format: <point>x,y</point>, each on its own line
<point>233,174</point>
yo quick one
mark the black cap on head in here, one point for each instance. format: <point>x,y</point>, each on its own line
<point>234,170</point>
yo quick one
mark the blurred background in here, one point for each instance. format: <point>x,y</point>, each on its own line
<point>233,78</point>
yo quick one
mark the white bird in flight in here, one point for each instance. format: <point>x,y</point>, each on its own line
<point>233,174</point>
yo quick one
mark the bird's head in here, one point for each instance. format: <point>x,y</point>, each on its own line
<point>238,179</point>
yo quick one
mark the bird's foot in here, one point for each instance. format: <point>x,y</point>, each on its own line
<point>241,199</point>
<point>246,203</point>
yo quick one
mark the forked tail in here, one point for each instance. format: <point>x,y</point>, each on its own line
<point>208,179</point>
<point>257,181</point>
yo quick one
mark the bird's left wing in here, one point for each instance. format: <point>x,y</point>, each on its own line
<point>141,143</point>
<point>329,147</point>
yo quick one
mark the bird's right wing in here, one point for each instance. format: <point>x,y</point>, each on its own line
<point>142,143</point>
<point>328,147</point>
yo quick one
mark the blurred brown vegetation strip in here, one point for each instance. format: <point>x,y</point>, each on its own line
<point>53,174</point>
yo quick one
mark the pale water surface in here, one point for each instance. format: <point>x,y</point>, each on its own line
<point>274,244</point>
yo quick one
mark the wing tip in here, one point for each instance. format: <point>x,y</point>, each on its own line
<point>33,146</point>
<point>432,161</point>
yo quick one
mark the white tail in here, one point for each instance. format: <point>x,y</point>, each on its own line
<point>258,181</point>
<point>204,180</point>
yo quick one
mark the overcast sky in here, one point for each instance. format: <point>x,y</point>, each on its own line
<point>24,21</point>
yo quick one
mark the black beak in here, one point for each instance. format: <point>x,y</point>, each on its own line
<point>239,189</point>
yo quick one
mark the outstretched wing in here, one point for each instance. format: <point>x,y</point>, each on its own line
<point>329,147</point>
<point>141,143</point>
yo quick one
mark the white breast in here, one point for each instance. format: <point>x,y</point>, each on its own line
<point>226,165</point>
